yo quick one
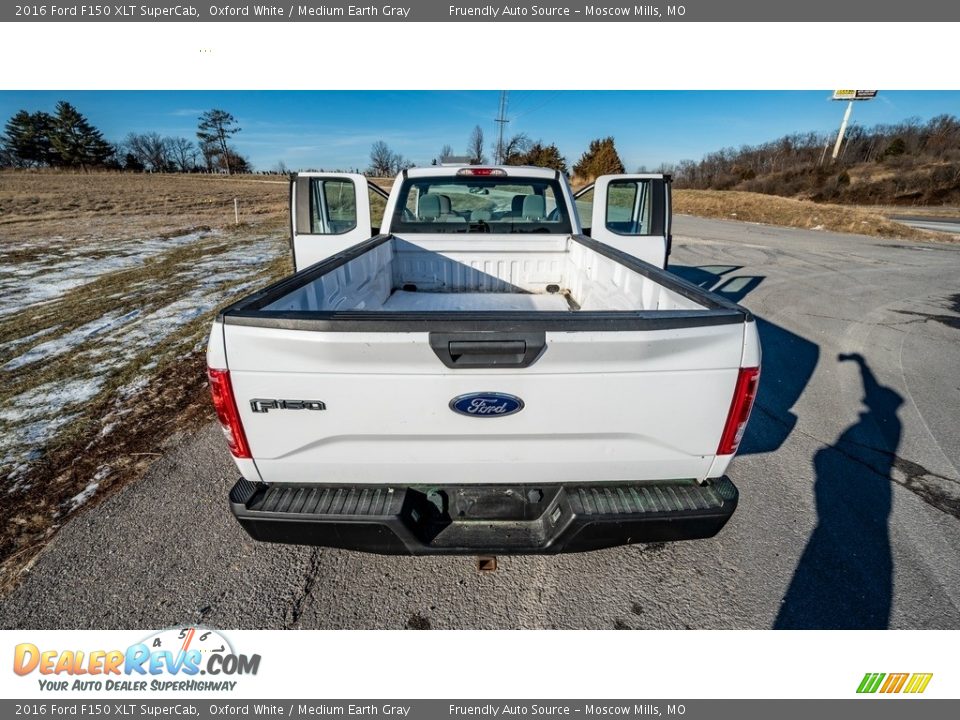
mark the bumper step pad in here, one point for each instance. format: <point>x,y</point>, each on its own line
<point>482,519</point>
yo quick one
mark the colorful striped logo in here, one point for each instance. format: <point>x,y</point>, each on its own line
<point>894,682</point>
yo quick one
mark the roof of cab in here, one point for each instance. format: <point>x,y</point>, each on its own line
<point>452,170</point>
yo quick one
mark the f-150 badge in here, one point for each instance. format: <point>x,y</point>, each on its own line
<point>261,405</point>
<point>486,404</point>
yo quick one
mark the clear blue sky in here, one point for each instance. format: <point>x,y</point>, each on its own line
<point>335,129</point>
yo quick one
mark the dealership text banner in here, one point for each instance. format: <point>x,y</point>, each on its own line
<point>852,11</point>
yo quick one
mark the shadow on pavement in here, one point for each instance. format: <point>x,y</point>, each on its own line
<point>788,360</point>
<point>844,577</point>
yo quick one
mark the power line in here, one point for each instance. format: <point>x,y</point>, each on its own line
<point>548,99</point>
<point>501,121</point>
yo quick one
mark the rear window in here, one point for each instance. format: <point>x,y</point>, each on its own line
<point>481,205</point>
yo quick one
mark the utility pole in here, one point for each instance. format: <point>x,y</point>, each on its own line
<point>824,153</point>
<point>501,121</point>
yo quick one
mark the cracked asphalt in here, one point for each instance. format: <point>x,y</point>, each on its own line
<point>848,475</point>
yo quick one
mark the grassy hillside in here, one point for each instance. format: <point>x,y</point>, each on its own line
<point>906,164</point>
<point>755,207</point>
<point>900,182</point>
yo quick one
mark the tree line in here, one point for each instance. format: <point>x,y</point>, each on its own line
<point>67,139</point>
<point>910,141</point>
<point>600,158</point>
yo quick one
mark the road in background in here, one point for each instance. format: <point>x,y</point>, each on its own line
<point>928,222</point>
<point>849,489</point>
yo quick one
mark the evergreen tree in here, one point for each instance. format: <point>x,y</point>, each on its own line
<point>601,158</point>
<point>132,162</point>
<point>539,155</point>
<point>75,141</point>
<point>213,131</point>
<point>26,139</point>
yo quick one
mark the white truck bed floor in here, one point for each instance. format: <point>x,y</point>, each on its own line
<point>403,301</point>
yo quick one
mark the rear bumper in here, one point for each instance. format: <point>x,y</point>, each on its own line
<point>482,519</point>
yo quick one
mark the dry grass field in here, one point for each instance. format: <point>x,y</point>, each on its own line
<point>773,210</point>
<point>108,283</point>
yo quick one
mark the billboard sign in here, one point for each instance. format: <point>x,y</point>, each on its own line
<point>854,94</point>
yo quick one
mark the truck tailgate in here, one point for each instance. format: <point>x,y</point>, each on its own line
<point>597,406</point>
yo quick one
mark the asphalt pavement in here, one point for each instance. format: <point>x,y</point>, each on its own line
<point>848,518</point>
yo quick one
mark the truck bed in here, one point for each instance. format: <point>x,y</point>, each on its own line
<point>408,301</point>
<point>450,273</point>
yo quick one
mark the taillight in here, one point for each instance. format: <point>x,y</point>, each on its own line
<point>226,406</point>
<point>743,396</point>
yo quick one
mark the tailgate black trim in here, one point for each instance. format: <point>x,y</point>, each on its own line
<point>249,310</point>
<point>482,519</point>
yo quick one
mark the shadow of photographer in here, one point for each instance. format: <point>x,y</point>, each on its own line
<point>844,578</point>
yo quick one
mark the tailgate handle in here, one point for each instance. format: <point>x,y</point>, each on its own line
<point>488,350</point>
<point>487,347</point>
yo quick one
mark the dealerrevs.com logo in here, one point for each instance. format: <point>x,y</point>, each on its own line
<point>889,683</point>
<point>173,659</point>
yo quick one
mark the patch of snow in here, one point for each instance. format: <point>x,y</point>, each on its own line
<point>50,276</point>
<point>133,387</point>
<point>68,341</point>
<point>12,344</point>
<point>89,491</point>
<point>50,399</point>
<point>23,446</point>
<point>34,417</point>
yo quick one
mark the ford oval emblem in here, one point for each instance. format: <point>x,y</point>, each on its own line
<point>486,404</point>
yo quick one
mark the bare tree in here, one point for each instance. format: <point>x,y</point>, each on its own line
<point>445,152</point>
<point>381,159</point>
<point>182,153</point>
<point>515,148</point>
<point>150,150</point>
<point>399,163</point>
<point>475,146</point>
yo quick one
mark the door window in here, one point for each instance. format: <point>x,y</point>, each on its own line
<point>629,207</point>
<point>333,206</point>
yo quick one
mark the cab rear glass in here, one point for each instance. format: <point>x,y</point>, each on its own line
<point>481,205</point>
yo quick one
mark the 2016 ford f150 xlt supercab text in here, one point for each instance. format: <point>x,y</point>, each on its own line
<point>482,374</point>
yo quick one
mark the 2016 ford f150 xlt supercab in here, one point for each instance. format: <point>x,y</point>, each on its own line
<point>482,374</point>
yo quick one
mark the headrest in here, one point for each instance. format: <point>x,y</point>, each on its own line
<point>429,207</point>
<point>534,207</point>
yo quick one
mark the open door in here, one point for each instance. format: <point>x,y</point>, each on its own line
<point>329,212</point>
<point>631,213</point>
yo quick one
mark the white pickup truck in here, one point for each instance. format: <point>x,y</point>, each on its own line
<point>482,374</point>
